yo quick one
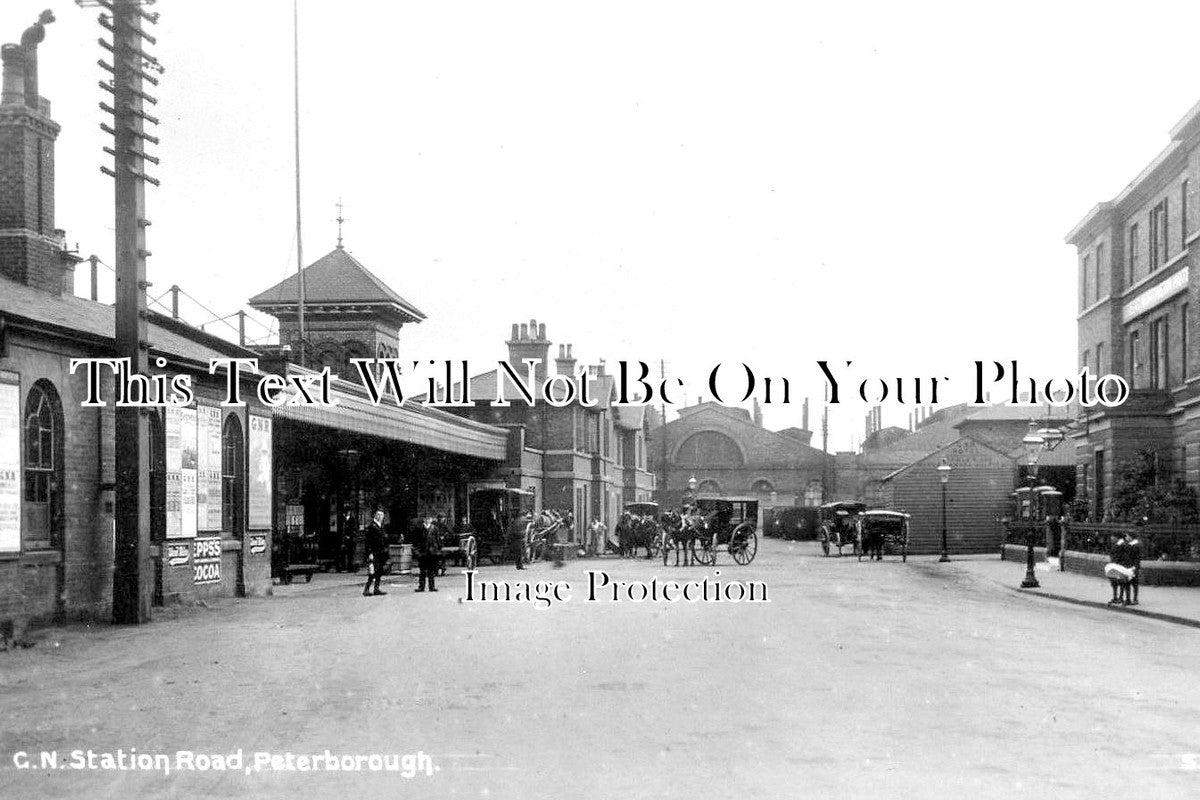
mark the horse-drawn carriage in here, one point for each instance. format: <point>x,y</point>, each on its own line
<point>639,527</point>
<point>492,512</point>
<point>718,523</point>
<point>839,525</point>
<point>880,530</point>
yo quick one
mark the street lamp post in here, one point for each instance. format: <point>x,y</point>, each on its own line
<point>943,470</point>
<point>1034,443</point>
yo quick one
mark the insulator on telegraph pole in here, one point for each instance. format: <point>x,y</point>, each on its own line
<point>130,68</point>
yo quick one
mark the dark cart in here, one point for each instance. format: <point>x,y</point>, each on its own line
<point>839,525</point>
<point>491,513</point>
<point>882,531</point>
<point>730,524</point>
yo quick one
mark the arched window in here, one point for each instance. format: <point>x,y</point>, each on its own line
<point>43,465</point>
<point>328,358</point>
<point>233,476</point>
<point>709,486</point>
<point>762,486</point>
<point>709,449</point>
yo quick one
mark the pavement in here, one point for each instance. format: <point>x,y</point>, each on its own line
<point>856,679</point>
<point>1176,604</point>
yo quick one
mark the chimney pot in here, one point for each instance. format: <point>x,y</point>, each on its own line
<point>514,333</point>
<point>524,332</point>
<point>542,331</point>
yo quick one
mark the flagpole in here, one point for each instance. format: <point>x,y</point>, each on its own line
<point>299,238</point>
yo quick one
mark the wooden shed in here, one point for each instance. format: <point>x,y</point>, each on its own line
<point>981,480</point>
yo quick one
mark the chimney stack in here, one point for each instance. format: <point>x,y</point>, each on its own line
<point>565,363</point>
<point>32,249</point>
<point>529,341</point>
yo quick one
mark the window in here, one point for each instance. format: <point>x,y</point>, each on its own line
<point>1100,359</point>
<point>1133,252</point>
<point>43,465</point>
<point>233,476</point>
<point>1134,365</point>
<point>1186,370</point>
<point>1159,227</point>
<point>1099,268</point>
<point>1085,359</point>
<point>1159,374</point>
<point>1183,219</point>
<point>1085,292</point>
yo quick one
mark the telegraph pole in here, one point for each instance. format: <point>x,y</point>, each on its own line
<point>130,70</point>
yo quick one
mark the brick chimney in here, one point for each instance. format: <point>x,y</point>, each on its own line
<point>32,250</point>
<point>529,341</point>
<point>565,363</point>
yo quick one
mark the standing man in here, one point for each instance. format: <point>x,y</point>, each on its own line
<point>516,537</point>
<point>377,554</point>
<point>428,545</point>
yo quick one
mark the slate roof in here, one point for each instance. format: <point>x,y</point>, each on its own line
<point>78,318</point>
<point>336,278</point>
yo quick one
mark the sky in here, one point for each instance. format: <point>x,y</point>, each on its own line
<point>691,183</point>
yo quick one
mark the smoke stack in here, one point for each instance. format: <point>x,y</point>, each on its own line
<point>804,425</point>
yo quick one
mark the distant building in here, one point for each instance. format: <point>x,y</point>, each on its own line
<point>730,454</point>
<point>1135,319</point>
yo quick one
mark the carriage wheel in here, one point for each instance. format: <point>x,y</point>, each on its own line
<point>825,542</point>
<point>743,546</point>
<point>703,552</point>
<point>471,553</point>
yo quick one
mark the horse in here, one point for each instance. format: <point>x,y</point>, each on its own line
<point>871,542</point>
<point>680,533</point>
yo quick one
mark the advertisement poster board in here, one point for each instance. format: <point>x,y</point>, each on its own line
<point>174,513</point>
<point>208,454</point>
<point>187,471</point>
<point>10,465</point>
<point>259,515</point>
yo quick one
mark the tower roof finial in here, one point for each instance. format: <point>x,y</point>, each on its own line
<point>340,220</point>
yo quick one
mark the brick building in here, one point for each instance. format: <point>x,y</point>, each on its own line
<point>223,481</point>
<point>1135,318</point>
<point>57,457</point>
<point>730,454</point>
<point>591,460</point>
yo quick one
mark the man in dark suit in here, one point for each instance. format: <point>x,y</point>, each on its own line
<point>377,554</point>
<point>427,543</point>
<point>516,537</point>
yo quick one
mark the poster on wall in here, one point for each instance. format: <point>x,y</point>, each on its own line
<point>10,465</point>
<point>174,466</point>
<point>187,472</point>
<point>259,513</point>
<point>208,454</point>
<point>206,560</point>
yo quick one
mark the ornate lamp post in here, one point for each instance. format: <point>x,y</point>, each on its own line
<point>1033,442</point>
<point>943,470</point>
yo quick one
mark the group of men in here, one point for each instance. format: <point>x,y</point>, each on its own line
<point>425,536</point>
<point>1122,572</point>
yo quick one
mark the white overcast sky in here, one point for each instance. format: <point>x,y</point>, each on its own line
<point>697,182</point>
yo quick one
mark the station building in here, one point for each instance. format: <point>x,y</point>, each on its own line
<point>224,482</point>
<point>590,460</point>
<point>1135,319</point>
